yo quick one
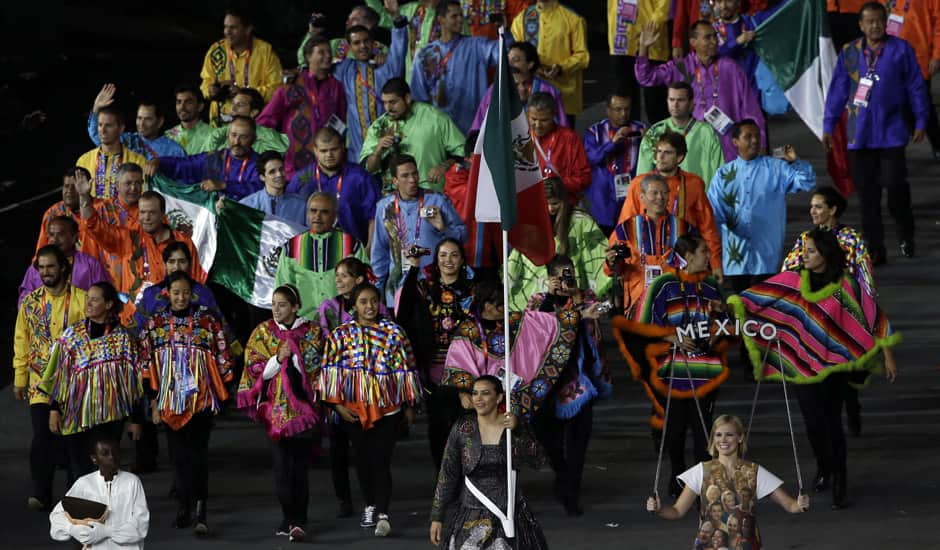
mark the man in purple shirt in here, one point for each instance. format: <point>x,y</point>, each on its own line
<point>878,81</point>
<point>357,191</point>
<point>234,169</point>
<point>723,94</point>
<point>86,270</point>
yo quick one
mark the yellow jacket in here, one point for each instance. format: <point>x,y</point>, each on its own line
<point>647,10</point>
<point>560,40</point>
<point>104,179</point>
<point>264,71</point>
<point>36,331</point>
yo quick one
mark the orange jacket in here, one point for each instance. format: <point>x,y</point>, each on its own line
<point>139,257</point>
<point>687,200</point>
<point>921,29</point>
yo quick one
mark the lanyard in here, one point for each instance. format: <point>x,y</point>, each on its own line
<point>626,166</point>
<point>400,221</point>
<point>107,328</point>
<point>442,66</point>
<point>47,309</point>
<point>339,182</point>
<point>873,61</point>
<point>231,64</point>
<point>688,127</point>
<point>314,100</point>
<point>701,85</point>
<point>228,164</point>
<point>687,318</point>
<point>545,152</point>
<point>369,88</point>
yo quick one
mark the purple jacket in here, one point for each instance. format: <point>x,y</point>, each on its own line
<point>86,271</point>
<point>898,92</point>
<point>240,175</point>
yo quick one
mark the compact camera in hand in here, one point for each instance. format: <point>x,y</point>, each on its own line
<point>621,251</point>
<point>427,212</point>
<point>567,277</point>
<point>415,251</point>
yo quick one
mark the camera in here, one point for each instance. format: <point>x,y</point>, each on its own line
<point>415,251</point>
<point>604,307</point>
<point>426,212</point>
<point>621,251</point>
<point>567,277</point>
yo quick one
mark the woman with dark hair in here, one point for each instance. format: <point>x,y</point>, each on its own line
<point>564,424</point>
<point>350,272</point>
<point>473,474</point>
<point>93,379</point>
<point>185,353</point>
<point>430,307</point>
<point>277,388</point>
<point>826,207</point>
<point>156,298</point>
<point>832,332</point>
<point>369,376</point>
<point>728,473</point>
<point>576,236</point>
<point>668,360</point>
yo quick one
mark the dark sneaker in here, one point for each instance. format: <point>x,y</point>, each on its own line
<point>368,517</point>
<point>283,529</point>
<point>297,533</point>
<point>907,249</point>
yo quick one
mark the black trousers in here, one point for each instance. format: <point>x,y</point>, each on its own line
<point>79,446</point>
<point>291,462</point>
<point>654,97</point>
<point>933,124</point>
<point>339,460</point>
<point>443,404</point>
<point>682,416</point>
<point>872,170</point>
<point>821,405</point>
<point>189,451</point>
<point>566,442</point>
<point>374,448</point>
<point>43,449</point>
<point>147,448</point>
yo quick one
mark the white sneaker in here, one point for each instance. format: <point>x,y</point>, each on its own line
<point>382,527</point>
<point>368,517</point>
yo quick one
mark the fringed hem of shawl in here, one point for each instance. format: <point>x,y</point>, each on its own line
<point>653,351</point>
<point>570,409</point>
<point>359,386</point>
<point>293,427</point>
<point>868,361</point>
<point>104,393</point>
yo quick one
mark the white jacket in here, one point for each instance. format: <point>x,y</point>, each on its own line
<point>127,520</point>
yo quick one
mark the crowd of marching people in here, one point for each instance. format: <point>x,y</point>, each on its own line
<point>391,305</point>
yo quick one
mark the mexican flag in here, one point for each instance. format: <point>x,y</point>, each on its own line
<point>238,247</point>
<point>505,179</point>
<point>796,46</point>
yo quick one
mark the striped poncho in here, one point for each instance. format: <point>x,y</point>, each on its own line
<point>369,369</point>
<point>673,300</point>
<point>834,329</point>
<point>94,380</point>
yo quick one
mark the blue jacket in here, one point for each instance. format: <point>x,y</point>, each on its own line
<point>748,199</point>
<point>898,92</point>
<point>150,148</point>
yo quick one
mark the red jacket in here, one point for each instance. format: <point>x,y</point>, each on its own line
<point>564,157</point>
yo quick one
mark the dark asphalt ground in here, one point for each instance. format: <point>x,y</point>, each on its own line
<point>892,466</point>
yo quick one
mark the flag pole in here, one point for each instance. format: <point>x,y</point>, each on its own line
<point>509,526</point>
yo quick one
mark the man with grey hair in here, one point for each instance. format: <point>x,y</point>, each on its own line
<point>559,149</point>
<point>641,246</point>
<point>308,260</point>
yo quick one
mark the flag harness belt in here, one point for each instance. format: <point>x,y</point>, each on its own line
<point>701,416</point>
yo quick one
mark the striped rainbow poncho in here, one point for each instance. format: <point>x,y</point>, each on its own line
<point>837,328</point>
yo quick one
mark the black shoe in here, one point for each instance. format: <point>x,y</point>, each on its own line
<point>297,533</point>
<point>839,499</point>
<point>907,248</point>
<point>184,518</point>
<point>201,527</point>
<point>344,509</point>
<point>820,481</point>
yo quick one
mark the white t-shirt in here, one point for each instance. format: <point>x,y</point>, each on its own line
<point>766,481</point>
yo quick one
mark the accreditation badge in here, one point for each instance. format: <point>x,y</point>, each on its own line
<point>621,184</point>
<point>895,24</point>
<point>863,92</point>
<point>627,10</point>
<point>651,273</point>
<point>718,119</point>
